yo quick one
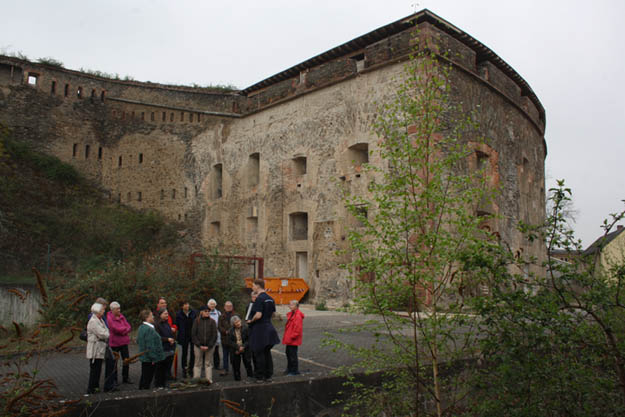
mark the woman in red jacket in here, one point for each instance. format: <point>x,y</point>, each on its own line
<point>293,336</point>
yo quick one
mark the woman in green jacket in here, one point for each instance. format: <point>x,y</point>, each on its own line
<point>150,344</point>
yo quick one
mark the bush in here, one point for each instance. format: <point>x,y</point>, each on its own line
<point>50,61</point>
<point>321,306</point>
<point>138,283</point>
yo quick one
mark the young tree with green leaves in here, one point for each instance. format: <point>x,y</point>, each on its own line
<point>554,343</point>
<point>419,228</point>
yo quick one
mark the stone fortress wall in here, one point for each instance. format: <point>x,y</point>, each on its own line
<point>260,171</point>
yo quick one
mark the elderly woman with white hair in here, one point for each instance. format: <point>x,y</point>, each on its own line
<point>97,343</point>
<point>119,329</point>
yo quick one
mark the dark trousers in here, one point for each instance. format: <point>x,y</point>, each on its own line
<point>123,351</point>
<point>95,370</point>
<point>264,362</point>
<point>160,376</point>
<point>226,354</point>
<point>148,369</point>
<point>236,364</point>
<point>216,357</point>
<point>110,376</point>
<point>255,363</point>
<point>187,351</point>
<point>291,359</point>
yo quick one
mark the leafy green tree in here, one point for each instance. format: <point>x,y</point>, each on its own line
<point>554,343</point>
<point>419,228</point>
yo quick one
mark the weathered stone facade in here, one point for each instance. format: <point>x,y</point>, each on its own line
<point>258,172</point>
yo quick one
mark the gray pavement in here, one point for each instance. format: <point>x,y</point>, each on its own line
<point>70,371</point>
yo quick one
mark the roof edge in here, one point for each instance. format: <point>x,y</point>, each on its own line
<point>483,53</point>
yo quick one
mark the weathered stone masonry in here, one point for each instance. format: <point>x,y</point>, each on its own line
<point>260,171</point>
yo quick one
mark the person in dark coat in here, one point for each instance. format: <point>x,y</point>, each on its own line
<point>204,335</point>
<point>184,321</point>
<point>150,344</point>
<point>169,345</point>
<point>237,338</point>
<point>223,325</point>
<point>263,335</point>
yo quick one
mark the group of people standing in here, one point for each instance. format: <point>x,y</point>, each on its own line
<point>199,333</point>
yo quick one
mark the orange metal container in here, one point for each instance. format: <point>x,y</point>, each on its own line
<point>283,290</point>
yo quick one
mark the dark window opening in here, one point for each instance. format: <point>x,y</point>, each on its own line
<point>132,115</point>
<point>142,115</point>
<point>197,190</point>
<point>218,181</point>
<point>162,194</point>
<point>198,117</point>
<point>119,162</point>
<point>171,117</point>
<point>482,160</point>
<point>185,192</point>
<point>360,61</point>
<point>360,216</point>
<point>299,165</point>
<point>191,117</point>
<point>298,226</point>
<point>99,152</point>
<point>123,115</point>
<point>140,158</point>
<point>119,197</point>
<point>164,116</point>
<point>179,217</point>
<point>102,94</point>
<point>74,150</point>
<point>359,154</point>
<point>152,116</point>
<point>182,116</point>
<point>215,228</point>
<point>66,92</point>
<point>129,196</point>
<point>173,194</point>
<point>87,149</point>
<point>253,169</point>
<point>53,87</point>
<point>92,94</point>
<point>79,92</point>
<point>139,196</point>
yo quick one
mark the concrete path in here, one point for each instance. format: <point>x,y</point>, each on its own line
<point>70,371</point>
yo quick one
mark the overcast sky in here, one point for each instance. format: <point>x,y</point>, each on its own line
<point>570,52</point>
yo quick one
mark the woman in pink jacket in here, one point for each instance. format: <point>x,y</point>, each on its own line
<point>119,339</point>
<point>293,331</point>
